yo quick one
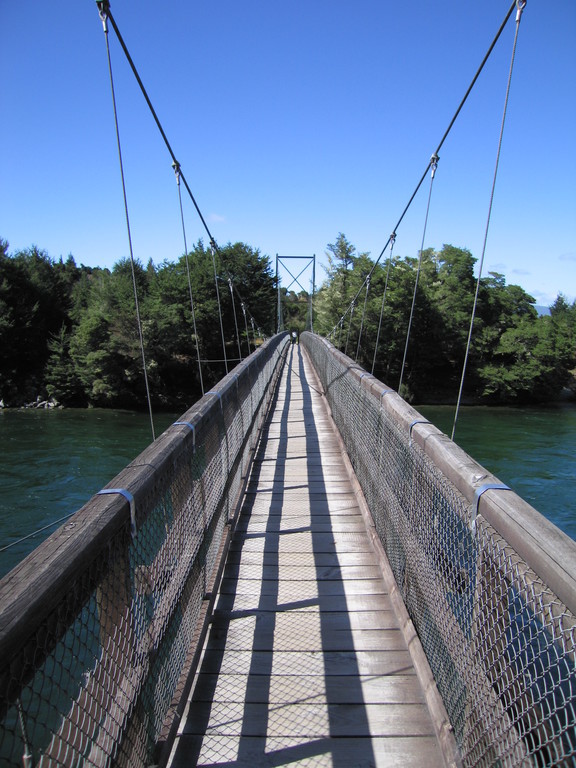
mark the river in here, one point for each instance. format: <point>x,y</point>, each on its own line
<point>52,462</point>
<point>532,450</point>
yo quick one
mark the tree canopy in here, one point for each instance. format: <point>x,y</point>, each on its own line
<point>516,355</point>
<point>70,332</point>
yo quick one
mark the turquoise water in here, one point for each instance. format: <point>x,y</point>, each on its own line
<point>52,462</point>
<point>533,450</point>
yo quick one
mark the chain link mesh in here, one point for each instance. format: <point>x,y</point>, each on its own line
<point>498,639</point>
<point>99,626</point>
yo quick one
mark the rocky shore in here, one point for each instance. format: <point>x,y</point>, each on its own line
<point>38,403</point>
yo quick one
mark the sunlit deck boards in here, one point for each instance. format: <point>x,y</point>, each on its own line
<point>305,662</point>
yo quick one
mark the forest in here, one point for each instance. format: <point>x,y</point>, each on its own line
<point>70,334</point>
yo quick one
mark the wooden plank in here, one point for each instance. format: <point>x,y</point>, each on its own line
<point>315,662</point>
<point>285,689</point>
<point>309,720</point>
<point>316,559</point>
<point>302,542</point>
<point>302,588</point>
<point>301,572</point>
<point>236,638</point>
<point>248,752</point>
<point>305,623</point>
<point>305,662</point>
<point>286,524</point>
<point>238,603</point>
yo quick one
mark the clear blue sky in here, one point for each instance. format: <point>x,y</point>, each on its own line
<point>292,122</point>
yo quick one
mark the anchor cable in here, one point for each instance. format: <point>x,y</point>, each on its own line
<point>388,264</point>
<point>442,140</point>
<point>520,5</point>
<point>106,13</point>
<point>104,17</point>
<point>176,167</point>
<point>367,281</point>
<point>433,166</point>
<point>212,251</point>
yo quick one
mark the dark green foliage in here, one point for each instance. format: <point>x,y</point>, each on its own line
<point>34,306</point>
<point>515,355</point>
<point>71,333</point>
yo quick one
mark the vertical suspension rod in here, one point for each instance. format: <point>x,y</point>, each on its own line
<point>520,5</point>
<point>104,15</point>
<point>104,10</point>
<point>442,140</point>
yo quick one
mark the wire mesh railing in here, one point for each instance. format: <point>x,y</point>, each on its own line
<point>489,584</point>
<point>101,625</point>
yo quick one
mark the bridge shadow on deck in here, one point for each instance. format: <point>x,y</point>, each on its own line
<point>281,680</point>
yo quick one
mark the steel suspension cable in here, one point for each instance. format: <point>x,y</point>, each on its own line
<point>433,165</point>
<point>340,331</point>
<point>176,167</point>
<point>391,240</point>
<point>105,12</point>
<point>520,5</point>
<point>352,307</point>
<point>104,7</point>
<point>442,140</point>
<point>362,318</point>
<point>243,307</point>
<point>34,533</point>
<point>219,308</point>
<point>132,264</point>
<point>230,286</point>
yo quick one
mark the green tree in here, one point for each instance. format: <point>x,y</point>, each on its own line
<point>105,345</point>
<point>34,304</point>
<point>62,383</point>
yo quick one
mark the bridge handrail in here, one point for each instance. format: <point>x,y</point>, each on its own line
<point>489,583</point>
<point>100,624</point>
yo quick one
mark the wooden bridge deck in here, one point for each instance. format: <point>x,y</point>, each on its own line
<point>305,662</point>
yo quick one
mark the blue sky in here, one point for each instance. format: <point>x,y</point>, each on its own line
<point>292,122</point>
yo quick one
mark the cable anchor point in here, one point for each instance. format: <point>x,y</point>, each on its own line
<point>520,5</point>
<point>176,166</point>
<point>103,12</point>
<point>434,163</point>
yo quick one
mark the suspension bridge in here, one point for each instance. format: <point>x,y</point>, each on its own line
<point>301,570</point>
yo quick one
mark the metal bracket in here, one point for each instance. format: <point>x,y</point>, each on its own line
<point>190,426</point>
<point>417,421</point>
<point>128,496</point>
<point>479,492</point>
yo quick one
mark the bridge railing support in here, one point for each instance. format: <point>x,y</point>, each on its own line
<point>488,582</point>
<point>100,625</point>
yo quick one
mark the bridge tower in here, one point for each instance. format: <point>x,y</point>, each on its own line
<point>309,271</point>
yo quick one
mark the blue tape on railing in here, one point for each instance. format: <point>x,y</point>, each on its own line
<point>417,421</point>
<point>190,426</point>
<point>479,491</point>
<point>219,396</point>
<point>184,424</point>
<point>128,496</point>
